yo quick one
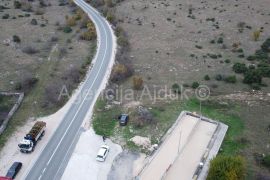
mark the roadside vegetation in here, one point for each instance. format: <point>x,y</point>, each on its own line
<point>50,63</point>
<point>227,168</point>
<point>159,118</point>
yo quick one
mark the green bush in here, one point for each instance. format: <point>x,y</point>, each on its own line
<point>251,58</point>
<point>219,77</point>
<point>227,61</point>
<point>252,76</point>
<point>206,77</point>
<point>176,88</point>
<point>67,29</point>
<point>220,40</point>
<point>17,5</point>
<point>261,55</point>
<point>239,68</point>
<point>266,161</point>
<point>227,168</point>
<point>266,45</point>
<point>16,39</point>
<point>5,16</point>
<point>195,85</point>
<point>230,79</point>
<point>255,86</point>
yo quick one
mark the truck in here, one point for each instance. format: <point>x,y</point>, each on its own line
<point>29,142</point>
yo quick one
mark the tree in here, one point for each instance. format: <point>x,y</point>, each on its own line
<point>176,88</point>
<point>227,168</point>
<point>195,85</point>
<point>239,68</point>
<point>206,77</point>
<point>137,82</point>
<point>252,76</point>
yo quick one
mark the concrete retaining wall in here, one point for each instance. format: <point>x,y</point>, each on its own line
<point>13,109</point>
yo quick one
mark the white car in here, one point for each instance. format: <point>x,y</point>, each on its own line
<point>102,153</point>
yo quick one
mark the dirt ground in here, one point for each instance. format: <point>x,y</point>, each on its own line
<point>52,58</point>
<point>163,35</point>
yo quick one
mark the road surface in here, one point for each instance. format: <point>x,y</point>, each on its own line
<point>50,161</point>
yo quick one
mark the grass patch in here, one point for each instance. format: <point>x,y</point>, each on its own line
<point>104,121</point>
<point>165,115</point>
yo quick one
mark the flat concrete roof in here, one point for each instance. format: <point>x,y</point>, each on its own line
<point>184,146</point>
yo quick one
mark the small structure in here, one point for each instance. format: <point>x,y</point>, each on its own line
<point>186,149</point>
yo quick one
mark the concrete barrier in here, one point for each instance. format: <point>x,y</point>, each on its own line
<point>13,109</point>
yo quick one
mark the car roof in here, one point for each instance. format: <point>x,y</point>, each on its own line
<point>15,164</point>
<point>102,150</point>
<point>124,116</point>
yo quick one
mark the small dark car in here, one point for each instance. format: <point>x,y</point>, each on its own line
<point>123,119</point>
<point>14,169</point>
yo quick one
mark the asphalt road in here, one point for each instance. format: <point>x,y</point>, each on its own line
<point>50,161</point>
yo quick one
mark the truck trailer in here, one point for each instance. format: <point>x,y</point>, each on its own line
<point>30,140</point>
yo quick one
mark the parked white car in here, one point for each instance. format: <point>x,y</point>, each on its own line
<point>102,153</point>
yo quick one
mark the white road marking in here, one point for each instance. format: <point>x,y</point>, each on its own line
<point>106,44</point>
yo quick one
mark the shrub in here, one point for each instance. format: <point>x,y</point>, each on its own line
<point>256,35</point>
<point>255,87</point>
<point>17,5</point>
<point>30,50</point>
<point>110,17</point>
<point>145,117</point>
<point>206,77</point>
<point>137,82</point>
<point>71,21</point>
<point>230,79</point>
<point>5,16</point>
<point>266,45</point>
<point>252,76</point>
<point>88,35</point>
<point>121,72</point>
<point>266,161</point>
<point>239,68</point>
<point>227,168</point>
<point>219,77</point>
<point>213,41</point>
<point>195,85</point>
<point>176,88</point>
<point>67,29</point>
<point>264,71</point>
<point>251,58</point>
<point>26,83</point>
<point>227,61</point>
<point>16,39</point>
<point>123,41</point>
<point>220,40</point>
<point>241,55</point>
<point>34,22</point>
<point>240,50</point>
<point>261,55</point>
<point>198,47</point>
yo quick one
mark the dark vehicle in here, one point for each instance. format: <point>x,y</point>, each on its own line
<point>14,169</point>
<point>123,119</point>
